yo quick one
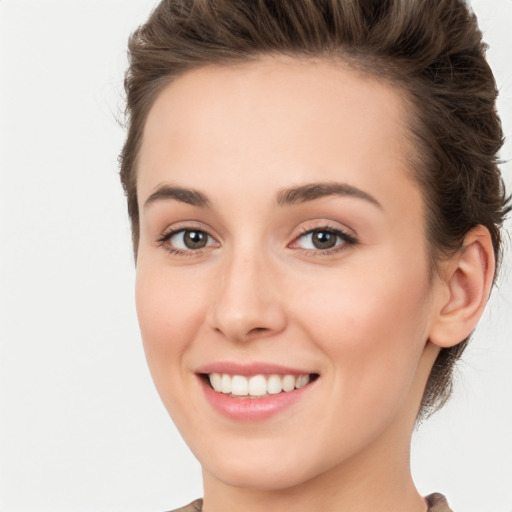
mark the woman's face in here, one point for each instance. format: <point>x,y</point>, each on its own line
<point>282,245</point>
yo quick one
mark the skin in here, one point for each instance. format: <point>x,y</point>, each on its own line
<point>361,315</point>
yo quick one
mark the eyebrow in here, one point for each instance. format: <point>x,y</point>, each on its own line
<point>289,196</point>
<point>184,195</point>
<point>312,191</point>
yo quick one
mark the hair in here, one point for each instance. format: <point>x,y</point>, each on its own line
<point>431,50</point>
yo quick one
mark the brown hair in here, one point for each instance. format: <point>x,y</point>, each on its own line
<point>431,49</point>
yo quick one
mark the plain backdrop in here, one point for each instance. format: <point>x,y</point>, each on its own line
<point>81,425</point>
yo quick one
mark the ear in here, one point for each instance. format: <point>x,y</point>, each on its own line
<point>465,287</point>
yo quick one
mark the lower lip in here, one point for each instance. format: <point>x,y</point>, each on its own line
<point>252,409</point>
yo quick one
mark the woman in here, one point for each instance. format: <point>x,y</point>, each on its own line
<point>316,211</point>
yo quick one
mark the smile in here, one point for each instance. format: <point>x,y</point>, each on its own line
<point>257,386</point>
<point>254,391</point>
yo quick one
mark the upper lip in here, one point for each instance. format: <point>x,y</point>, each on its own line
<point>247,369</point>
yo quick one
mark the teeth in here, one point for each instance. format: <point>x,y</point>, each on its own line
<point>239,386</point>
<point>289,383</point>
<point>274,385</point>
<point>216,381</point>
<point>258,385</point>
<point>225,383</point>
<point>302,381</point>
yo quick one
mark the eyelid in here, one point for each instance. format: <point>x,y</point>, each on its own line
<point>184,225</point>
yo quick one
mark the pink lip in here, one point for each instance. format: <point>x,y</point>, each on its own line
<point>250,369</point>
<point>250,409</point>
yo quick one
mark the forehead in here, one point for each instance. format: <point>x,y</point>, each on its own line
<point>276,117</point>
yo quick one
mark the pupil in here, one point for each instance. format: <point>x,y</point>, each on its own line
<point>324,240</point>
<point>195,239</point>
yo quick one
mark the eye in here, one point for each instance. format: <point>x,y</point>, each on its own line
<point>323,239</point>
<point>187,240</point>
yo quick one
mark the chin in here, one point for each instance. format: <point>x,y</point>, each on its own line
<point>263,479</point>
<point>261,470</point>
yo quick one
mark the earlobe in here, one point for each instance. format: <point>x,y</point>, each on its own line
<point>466,287</point>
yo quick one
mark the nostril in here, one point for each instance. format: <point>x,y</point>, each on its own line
<point>258,329</point>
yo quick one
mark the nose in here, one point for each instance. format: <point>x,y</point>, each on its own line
<point>247,303</point>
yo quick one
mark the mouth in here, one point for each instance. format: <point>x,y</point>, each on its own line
<point>256,386</point>
<point>254,392</point>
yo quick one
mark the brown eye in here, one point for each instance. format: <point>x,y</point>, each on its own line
<point>189,240</point>
<point>323,239</point>
<point>195,239</point>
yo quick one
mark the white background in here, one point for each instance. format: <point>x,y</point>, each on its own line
<point>81,426</point>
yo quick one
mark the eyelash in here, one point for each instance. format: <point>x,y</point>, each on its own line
<point>339,233</point>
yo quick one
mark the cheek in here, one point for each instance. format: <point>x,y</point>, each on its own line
<point>376,302</point>
<point>373,327</point>
<point>169,309</point>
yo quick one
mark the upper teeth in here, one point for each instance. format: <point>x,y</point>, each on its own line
<point>258,385</point>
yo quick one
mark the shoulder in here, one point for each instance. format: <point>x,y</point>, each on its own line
<point>195,506</point>
<point>437,503</point>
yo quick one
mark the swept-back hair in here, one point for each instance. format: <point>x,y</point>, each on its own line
<point>431,50</point>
